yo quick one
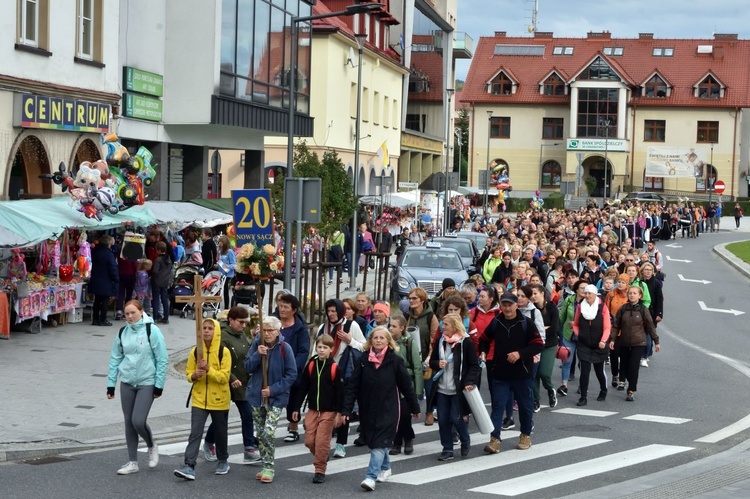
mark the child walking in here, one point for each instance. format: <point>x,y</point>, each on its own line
<point>323,384</point>
<point>210,393</point>
<point>142,283</point>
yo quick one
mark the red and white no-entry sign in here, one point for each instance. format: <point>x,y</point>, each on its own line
<point>719,186</point>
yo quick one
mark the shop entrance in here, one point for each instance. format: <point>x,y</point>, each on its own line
<point>594,166</point>
<point>30,161</point>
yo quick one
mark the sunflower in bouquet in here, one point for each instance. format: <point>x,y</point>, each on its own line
<point>259,261</point>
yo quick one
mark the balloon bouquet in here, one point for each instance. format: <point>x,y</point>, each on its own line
<point>502,181</point>
<point>537,202</point>
<point>110,185</point>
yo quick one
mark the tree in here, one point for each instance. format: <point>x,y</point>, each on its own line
<point>461,164</point>
<point>338,202</point>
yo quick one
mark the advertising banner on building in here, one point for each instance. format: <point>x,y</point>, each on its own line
<point>675,162</point>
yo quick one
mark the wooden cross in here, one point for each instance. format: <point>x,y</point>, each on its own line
<point>198,299</point>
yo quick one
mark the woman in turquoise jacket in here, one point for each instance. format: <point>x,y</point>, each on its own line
<point>139,357</point>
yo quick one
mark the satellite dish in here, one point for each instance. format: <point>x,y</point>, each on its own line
<point>531,28</point>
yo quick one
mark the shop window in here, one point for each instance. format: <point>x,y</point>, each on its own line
<point>654,130</point>
<point>552,128</point>
<point>500,127</point>
<point>551,174</point>
<point>708,132</point>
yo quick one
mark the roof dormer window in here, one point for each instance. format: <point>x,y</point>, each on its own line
<point>553,85</point>
<point>655,87</point>
<point>501,84</point>
<point>562,51</point>
<point>709,88</point>
<point>599,70</point>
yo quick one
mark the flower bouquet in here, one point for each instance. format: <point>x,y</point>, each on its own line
<point>259,262</point>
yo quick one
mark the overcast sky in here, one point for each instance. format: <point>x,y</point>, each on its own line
<point>623,18</point>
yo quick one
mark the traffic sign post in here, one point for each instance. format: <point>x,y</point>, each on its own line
<point>252,216</point>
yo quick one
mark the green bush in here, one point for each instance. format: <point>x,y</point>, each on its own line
<point>554,200</point>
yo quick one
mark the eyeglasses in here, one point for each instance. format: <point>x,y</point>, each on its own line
<point>242,321</point>
<point>269,330</point>
<point>629,259</point>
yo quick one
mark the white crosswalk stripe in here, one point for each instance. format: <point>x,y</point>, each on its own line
<point>486,462</point>
<point>584,412</point>
<point>657,419</point>
<point>555,476</point>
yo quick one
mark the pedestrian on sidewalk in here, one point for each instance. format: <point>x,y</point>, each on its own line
<point>323,385</point>
<point>378,380</point>
<point>105,279</point>
<point>272,368</point>
<point>233,337</point>
<point>142,372</point>
<point>737,215</point>
<point>210,393</point>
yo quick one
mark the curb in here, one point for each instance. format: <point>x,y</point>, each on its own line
<point>728,257</point>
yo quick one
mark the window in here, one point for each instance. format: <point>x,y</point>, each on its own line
<point>365,104</point>
<point>709,88</point>
<point>554,85</point>
<point>662,51</point>
<point>655,87</point>
<point>500,127</point>
<point>597,106</point>
<point>552,128</point>
<point>416,122</point>
<point>562,51</point>
<point>386,112</point>
<point>616,51</point>
<point>551,173</point>
<point>654,130</point>
<point>418,82</point>
<point>29,22</point>
<point>653,183</point>
<point>86,29</point>
<point>376,108</point>
<point>599,70</point>
<point>708,132</point>
<point>501,85</point>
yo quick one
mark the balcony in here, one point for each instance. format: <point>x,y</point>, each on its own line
<point>463,44</point>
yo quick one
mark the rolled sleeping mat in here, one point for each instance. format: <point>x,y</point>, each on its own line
<point>479,410</point>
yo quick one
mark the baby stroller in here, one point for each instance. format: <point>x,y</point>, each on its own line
<point>183,286</point>
<point>213,285</point>
<point>246,292</point>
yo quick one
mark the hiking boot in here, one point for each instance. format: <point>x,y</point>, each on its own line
<point>493,447</point>
<point>524,442</point>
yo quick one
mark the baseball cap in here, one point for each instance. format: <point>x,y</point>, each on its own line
<point>509,297</point>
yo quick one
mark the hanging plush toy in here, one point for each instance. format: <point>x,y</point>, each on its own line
<point>83,262</point>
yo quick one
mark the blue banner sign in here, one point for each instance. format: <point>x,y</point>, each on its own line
<point>253,216</point>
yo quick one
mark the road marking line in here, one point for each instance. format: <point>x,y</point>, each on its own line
<point>486,462</point>
<point>726,432</point>
<point>657,419</point>
<point>585,412</point>
<point>555,476</point>
<point>363,460</point>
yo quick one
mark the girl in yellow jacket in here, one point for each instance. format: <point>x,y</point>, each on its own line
<point>210,392</point>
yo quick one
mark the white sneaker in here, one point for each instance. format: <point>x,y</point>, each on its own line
<point>340,451</point>
<point>153,456</point>
<point>130,468</point>
<point>368,484</point>
<point>384,475</point>
<point>644,362</point>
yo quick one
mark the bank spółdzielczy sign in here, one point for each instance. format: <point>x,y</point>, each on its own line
<point>57,113</point>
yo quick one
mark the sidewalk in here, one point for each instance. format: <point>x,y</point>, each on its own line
<point>54,390</point>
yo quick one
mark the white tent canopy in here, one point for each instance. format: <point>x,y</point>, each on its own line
<point>395,200</point>
<point>183,214</point>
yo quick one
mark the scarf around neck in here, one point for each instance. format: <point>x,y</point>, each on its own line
<point>589,311</point>
<point>377,358</point>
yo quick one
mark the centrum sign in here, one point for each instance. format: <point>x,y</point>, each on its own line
<point>617,145</point>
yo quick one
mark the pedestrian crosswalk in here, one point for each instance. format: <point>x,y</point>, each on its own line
<point>477,469</point>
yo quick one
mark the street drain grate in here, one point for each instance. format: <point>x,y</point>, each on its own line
<point>47,460</point>
<point>585,428</point>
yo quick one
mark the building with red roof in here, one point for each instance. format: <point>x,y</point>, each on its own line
<point>617,104</point>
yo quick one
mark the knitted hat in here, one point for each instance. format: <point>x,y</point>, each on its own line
<point>624,277</point>
<point>383,307</point>
<point>448,282</point>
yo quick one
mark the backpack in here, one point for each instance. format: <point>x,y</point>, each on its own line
<point>350,356</point>
<point>148,335</point>
<point>333,369</point>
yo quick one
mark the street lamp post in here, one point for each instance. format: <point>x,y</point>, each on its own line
<point>446,212</point>
<point>349,11</point>
<point>487,172</point>
<point>361,38</point>
<point>457,134</point>
<point>605,123</point>
<point>541,147</point>
<point>708,176</point>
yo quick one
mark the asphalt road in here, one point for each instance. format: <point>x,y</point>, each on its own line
<point>694,389</point>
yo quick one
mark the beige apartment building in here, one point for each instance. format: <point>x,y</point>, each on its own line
<point>664,115</point>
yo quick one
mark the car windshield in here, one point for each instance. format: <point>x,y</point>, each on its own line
<point>432,260</point>
<point>463,248</point>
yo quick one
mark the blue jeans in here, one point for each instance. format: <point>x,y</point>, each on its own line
<point>447,406</point>
<point>568,363</point>
<point>161,295</point>
<point>648,352</point>
<point>504,390</point>
<point>379,461</point>
<point>246,415</point>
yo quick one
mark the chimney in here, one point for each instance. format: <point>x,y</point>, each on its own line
<point>645,36</point>
<point>500,34</point>
<point>544,34</point>
<point>604,35</point>
<point>718,53</point>
<point>725,36</point>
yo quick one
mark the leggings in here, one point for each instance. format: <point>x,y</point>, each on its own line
<point>630,364</point>
<point>136,404</point>
<point>586,371</point>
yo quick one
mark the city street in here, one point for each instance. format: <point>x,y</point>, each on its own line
<point>691,404</point>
